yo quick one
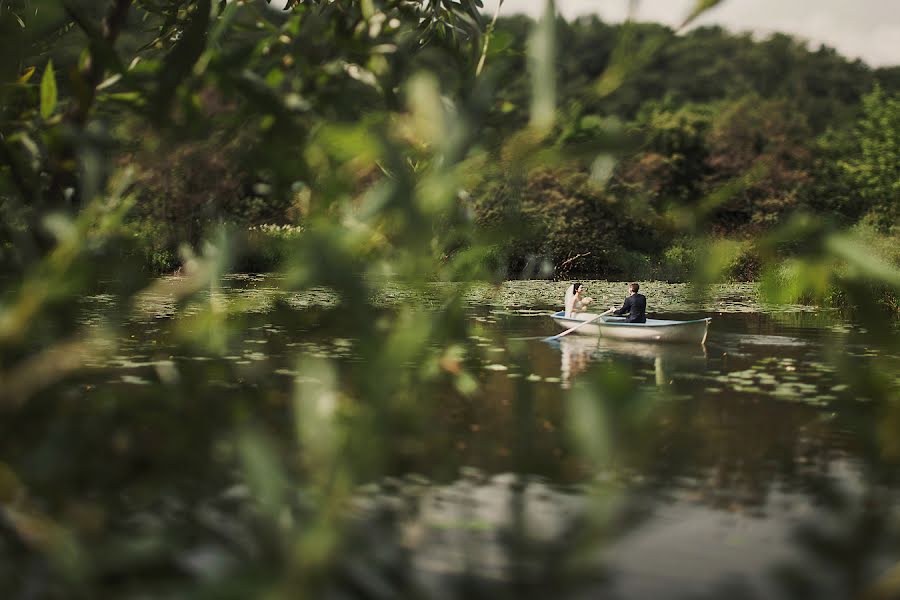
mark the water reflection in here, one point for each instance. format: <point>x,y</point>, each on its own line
<point>749,468</point>
<point>577,353</point>
<point>509,535</point>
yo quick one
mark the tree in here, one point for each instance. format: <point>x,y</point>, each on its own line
<point>758,164</point>
<point>673,163</point>
<point>874,169</point>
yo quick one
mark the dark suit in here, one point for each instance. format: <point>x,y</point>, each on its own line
<point>636,307</point>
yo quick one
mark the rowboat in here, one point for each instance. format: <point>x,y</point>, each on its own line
<point>654,330</point>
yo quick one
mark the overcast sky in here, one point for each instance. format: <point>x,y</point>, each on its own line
<point>866,29</point>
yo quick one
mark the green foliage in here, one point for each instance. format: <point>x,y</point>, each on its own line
<point>563,218</point>
<point>332,138</point>
<point>153,246</point>
<point>704,260</point>
<point>48,91</point>
<point>679,261</point>
<point>879,251</point>
<point>267,247</point>
<point>808,260</point>
<point>856,170</point>
<point>726,125</point>
<point>875,170</point>
<point>674,166</point>
<point>830,190</point>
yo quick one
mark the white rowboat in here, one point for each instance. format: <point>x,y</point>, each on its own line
<point>654,330</point>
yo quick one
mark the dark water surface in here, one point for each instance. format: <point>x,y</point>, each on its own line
<point>763,465</point>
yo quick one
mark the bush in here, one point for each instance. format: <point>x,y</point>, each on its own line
<point>843,278</point>
<point>267,246</point>
<point>158,249</point>
<point>154,244</point>
<point>882,247</point>
<point>713,260</point>
<point>679,262</point>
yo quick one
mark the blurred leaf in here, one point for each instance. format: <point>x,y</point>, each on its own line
<point>542,65</point>
<point>315,415</point>
<point>45,368</point>
<point>50,278</point>
<point>263,472</point>
<point>26,75</point>
<point>424,100</point>
<point>224,22</point>
<point>589,426</point>
<point>627,59</point>
<point>350,143</point>
<point>42,534</point>
<point>602,168</point>
<point>797,281</point>
<point>700,7</point>
<point>48,91</point>
<point>501,41</point>
<point>61,226</point>
<point>862,261</point>
<point>730,189</point>
<point>367,8</point>
<point>717,258</point>
<point>11,489</point>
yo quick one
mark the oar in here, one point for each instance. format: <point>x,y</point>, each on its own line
<point>582,324</point>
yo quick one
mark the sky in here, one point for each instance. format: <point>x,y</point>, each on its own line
<point>866,29</point>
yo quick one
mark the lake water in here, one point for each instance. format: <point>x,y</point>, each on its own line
<point>761,465</point>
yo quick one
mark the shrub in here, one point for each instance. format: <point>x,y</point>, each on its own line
<point>267,246</point>
<point>154,244</point>
<point>679,262</point>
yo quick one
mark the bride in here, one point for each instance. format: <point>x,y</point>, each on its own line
<point>574,300</point>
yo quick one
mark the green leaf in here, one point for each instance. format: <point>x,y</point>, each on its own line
<point>860,258</point>
<point>542,55</point>
<point>700,7</point>
<point>49,94</point>
<point>263,471</point>
<point>368,9</point>
<point>26,75</point>
<point>629,57</point>
<point>501,41</point>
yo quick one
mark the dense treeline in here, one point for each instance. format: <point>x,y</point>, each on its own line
<point>723,135</point>
<point>710,135</point>
<point>729,136</point>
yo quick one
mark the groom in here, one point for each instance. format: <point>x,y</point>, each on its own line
<point>635,306</point>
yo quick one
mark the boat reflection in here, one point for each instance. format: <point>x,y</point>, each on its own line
<point>578,352</point>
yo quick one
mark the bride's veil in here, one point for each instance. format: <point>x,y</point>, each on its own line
<point>570,300</point>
